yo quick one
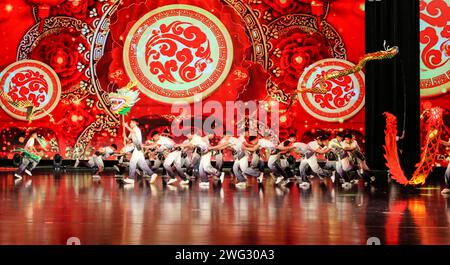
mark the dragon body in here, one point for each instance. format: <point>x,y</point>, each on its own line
<point>388,53</point>
<point>31,109</point>
<point>434,128</point>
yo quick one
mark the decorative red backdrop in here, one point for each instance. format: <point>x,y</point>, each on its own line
<point>435,63</point>
<point>273,44</point>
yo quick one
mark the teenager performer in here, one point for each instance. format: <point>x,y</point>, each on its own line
<point>173,161</point>
<point>197,145</point>
<point>227,142</point>
<point>31,157</point>
<point>301,149</point>
<point>267,147</point>
<point>235,145</point>
<point>205,168</point>
<point>96,160</point>
<point>256,167</point>
<point>123,161</point>
<point>162,145</point>
<point>343,160</point>
<point>176,160</point>
<point>137,157</point>
<point>275,163</point>
<point>317,147</point>
<point>357,159</point>
<point>287,161</point>
<point>219,153</point>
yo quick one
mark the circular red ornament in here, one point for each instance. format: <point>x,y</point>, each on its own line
<point>33,81</point>
<point>434,48</point>
<point>345,96</point>
<point>177,52</point>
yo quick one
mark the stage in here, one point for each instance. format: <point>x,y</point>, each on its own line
<point>54,207</point>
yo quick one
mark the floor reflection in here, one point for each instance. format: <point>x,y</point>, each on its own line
<point>51,208</point>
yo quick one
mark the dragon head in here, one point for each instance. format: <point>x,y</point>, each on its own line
<point>124,99</point>
<point>390,51</point>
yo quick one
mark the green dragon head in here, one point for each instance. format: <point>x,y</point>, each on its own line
<point>123,99</point>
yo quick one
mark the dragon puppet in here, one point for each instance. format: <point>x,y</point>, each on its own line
<point>36,157</point>
<point>387,53</point>
<point>434,127</point>
<point>123,99</point>
<point>27,104</point>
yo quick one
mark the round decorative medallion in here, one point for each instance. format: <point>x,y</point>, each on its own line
<point>345,96</point>
<point>32,81</point>
<point>434,48</point>
<point>178,51</point>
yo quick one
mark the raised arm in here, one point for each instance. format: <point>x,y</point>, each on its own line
<point>127,127</point>
<point>185,145</point>
<point>220,146</point>
<point>322,150</point>
<point>285,148</point>
<point>348,148</point>
<point>150,145</point>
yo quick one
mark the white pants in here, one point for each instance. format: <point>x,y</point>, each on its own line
<point>174,160</point>
<point>243,162</point>
<point>138,160</point>
<point>314,165</point>
<point>206,168</point>
<point>96,161</point>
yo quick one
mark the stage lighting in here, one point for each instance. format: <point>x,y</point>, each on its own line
<point>57,162</point>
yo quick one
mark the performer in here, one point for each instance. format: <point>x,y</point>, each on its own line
<point>196,144</point>
<point>343,164</point>
<point>161,145</point>
<point>267,147</point>
<point>256,167</point>
<point>31,157</point>
<point>96,160</point>
<point>205,168</point>
<point>301,149</point>
<point>275,163</point>
<point>446,190</point>
<point>235,144</point>
<point>137,157</point>
<point>316,147</point>
<point>350,145</point>
<point>123,161</point>
<point>178,159</point>
<point>218,154</point>
<point>224,143</point>
<point>287,161</point>
<point>172,163</point>
<point>153,153</point>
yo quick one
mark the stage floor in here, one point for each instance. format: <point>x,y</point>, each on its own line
<point>53,208</point>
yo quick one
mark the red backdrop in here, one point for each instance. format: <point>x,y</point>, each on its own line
<point>272,40</point>
<point>435,62</point>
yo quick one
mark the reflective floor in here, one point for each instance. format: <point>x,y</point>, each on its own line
<point>51,209</point>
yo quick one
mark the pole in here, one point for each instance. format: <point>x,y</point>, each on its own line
<point>123,130</point>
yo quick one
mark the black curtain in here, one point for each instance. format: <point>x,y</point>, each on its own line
<point>391,84</point>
